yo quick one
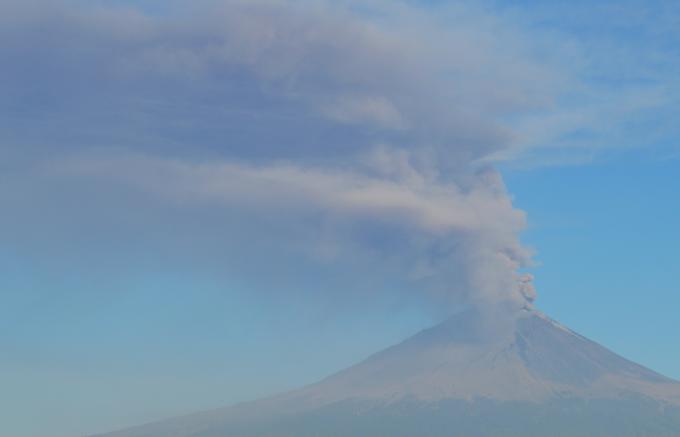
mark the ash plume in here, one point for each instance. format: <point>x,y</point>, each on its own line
<point>336,131</point>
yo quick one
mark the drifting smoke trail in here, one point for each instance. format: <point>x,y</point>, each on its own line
<point>356,123</point>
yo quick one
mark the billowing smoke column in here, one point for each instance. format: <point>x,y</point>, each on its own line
<point>527,288</point>
<point>362,131</point>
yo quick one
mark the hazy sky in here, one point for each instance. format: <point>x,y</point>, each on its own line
<point>207,202</point>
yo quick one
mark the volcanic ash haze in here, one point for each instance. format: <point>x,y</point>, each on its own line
<point>281,134</point>
<point>360,138</point>
<point>468,376</point>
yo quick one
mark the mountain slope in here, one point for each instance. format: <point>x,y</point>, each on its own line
<point>474,375</point>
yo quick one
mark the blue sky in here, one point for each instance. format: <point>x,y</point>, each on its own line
<point>607,240</point>
<point>209,203</point>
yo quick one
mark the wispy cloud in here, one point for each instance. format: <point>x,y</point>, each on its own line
<point>369,125</point>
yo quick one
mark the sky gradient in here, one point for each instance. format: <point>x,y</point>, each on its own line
<point>209,202</point>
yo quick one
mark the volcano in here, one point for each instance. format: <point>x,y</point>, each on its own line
<point>473,375</point>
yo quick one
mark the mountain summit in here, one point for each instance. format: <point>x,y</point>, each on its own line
<point>476,374</point>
